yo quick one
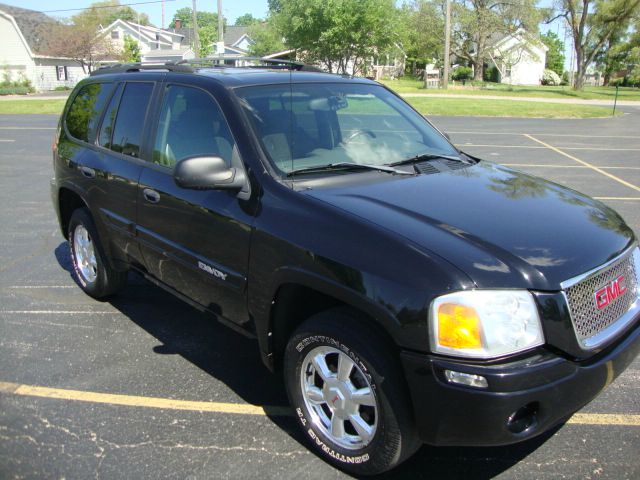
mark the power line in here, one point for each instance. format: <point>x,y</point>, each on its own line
<point>106,6</point>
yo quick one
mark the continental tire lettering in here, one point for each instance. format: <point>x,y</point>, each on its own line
<point>337,455</point>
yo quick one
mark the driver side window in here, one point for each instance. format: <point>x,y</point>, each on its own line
<point>191,125</point>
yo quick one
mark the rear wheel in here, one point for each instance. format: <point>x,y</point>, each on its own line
<point>345,385</point>
<point>94,274</point>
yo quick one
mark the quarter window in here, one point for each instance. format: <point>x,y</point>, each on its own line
<point>127,132</point>
<point>106,131</point>
<point>191,125</point>
<point>84,113</point>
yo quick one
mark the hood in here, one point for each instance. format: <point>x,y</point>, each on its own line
<point>501,227</point>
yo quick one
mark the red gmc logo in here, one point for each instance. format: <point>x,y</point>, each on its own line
<point>609,293</point>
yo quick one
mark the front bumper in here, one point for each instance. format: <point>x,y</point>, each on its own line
<point>551,388</point>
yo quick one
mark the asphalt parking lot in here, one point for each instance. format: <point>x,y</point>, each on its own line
<point>144,386</point>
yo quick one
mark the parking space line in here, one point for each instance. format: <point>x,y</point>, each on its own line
<point>138,401</point>
<point>605,419</point>
<point>27,128</point>
<point>586,164</point>
<point>57,312</point>
<point>541,165</point>
<point>537,147</point>
<point>6,140</point>
<point>629,420</point>
<point>617,198</point>
<point>481,132</point>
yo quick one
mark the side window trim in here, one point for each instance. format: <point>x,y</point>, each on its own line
<point>116,91</point>
<point>163,92</point>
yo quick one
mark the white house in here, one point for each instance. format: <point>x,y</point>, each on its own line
<point>23,39</point>
<point>156,44</point>
<point>519,57</point>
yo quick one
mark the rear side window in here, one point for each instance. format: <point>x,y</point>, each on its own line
<point>127,131</point>
<point>84,113</point>
<point>106,131</point>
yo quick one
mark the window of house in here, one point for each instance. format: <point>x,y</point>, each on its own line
<point>84,113</point>
<point>61,73</point>
<point>127,131</point>
<point>191,125</point>
<point>115,34</point>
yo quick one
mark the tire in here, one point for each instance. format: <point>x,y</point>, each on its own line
<point>330,356</point>
<point>90,266</point>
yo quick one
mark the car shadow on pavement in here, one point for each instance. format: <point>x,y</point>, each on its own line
<point>234,360</point>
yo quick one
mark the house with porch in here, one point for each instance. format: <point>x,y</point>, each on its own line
<point>519,58</point>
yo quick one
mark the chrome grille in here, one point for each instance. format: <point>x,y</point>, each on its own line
<point>588,319</point>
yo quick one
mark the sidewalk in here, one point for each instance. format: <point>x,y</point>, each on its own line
<point>572,101</point>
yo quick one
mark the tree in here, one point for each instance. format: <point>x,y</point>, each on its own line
<point>477,22</point>
<point>131,52</point>
<point>246,20</point>
<point>340,34</point>
<point>266,39</point>
<point>421,29</point>
<point>555,54</point>
<point>593,23</point>
<point>104,13</point>
<point>204,18</point>
<point>81,44</point>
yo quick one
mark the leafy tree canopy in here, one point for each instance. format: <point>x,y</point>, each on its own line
<point>205,19</point>
<point>247,19</point>
<point>555,54</point>
<point>106,12</point>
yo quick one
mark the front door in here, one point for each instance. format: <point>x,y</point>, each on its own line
<point>196,241</point>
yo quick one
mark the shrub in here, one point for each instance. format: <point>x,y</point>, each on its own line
<point>565,78</point>
<point>462,74</point>
<point>14,90</point>
<point>549,77</point>
<point>491,74</point>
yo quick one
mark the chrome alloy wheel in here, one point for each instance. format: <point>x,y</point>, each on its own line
<point>339,397</point>
<point>84,254</point>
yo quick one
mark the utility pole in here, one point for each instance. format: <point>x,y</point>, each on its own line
<point>196,37</point>
<point>220,46</point>
<point>447,45</point>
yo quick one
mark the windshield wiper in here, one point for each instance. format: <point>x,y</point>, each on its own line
<point>348,166</point>
<point>426,156</point>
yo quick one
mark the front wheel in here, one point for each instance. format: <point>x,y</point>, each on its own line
<point>345,386</point>
<point>94,274</point>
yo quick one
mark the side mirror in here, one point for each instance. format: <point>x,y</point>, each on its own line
<point>201,173</point>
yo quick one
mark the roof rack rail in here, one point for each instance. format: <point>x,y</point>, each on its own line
<point>273,63</point>
<point>137,67</point>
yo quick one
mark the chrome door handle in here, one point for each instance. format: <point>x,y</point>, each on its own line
<point>87,172</point>
<point>151,195</point>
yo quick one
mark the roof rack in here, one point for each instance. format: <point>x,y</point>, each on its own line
<point>137,67</point>
<point>272,63</point>
<point>189,66</point>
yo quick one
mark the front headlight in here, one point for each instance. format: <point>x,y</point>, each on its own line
<point>484,323</point>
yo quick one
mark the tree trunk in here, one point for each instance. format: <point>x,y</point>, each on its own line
<point>478,61</point>
<point>606,79</point>
<point>578,82</point>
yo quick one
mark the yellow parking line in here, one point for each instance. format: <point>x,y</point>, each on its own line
<point>605,419</point>
<point>629,420</point>
<point>599,170</point>
<point>480,132</point>
<point>138,401</point>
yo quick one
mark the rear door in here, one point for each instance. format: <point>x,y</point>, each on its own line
<point>193,240</point>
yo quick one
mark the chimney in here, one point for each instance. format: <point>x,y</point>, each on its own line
<point>178,23</point>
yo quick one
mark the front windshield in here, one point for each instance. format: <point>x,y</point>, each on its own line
<point>304,126</point>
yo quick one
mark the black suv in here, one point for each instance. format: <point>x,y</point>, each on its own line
<point>409,293</point>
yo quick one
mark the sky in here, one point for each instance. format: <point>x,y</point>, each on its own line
<point>231,9</point>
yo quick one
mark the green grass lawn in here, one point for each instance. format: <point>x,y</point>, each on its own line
<point>505,108</point>
<point>430,106</point>
<point>413,85</point>
<point>31,106</point>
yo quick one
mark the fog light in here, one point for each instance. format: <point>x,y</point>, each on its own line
<point>524,418</point>
<point>467,379</point>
